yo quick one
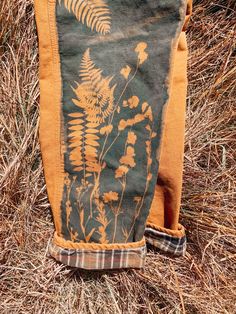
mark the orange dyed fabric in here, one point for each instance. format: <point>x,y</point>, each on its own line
<point>113,78</point>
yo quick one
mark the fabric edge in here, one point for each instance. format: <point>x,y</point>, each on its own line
<point>50,104</point>
<point>99,259</point>
<point>167,240</point>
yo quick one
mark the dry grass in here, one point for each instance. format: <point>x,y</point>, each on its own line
<point>202,282</point>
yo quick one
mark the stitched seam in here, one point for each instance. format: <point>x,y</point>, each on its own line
<point>57,87</point>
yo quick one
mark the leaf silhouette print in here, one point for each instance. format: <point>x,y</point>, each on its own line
<point>132,102</point>
<point>140,50</point>
<point>94,13</point>
<point>125,71</point>
<point>94,98</point>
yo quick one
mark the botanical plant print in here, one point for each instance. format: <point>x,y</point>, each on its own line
<point>94,13</point>
<point>89,130</point>
<point>113,99</point>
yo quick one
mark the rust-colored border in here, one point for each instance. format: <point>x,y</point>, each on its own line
<point>50,104</point>
<point>57,240</point>
<point>178,233</point>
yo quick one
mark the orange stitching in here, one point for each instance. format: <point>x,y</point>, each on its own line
<point>179,233</point>
<point>95,246</point>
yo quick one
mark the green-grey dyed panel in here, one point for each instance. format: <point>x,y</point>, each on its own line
<point>155,23</point>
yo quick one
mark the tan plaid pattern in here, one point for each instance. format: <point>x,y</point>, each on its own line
<point>119,258</point>
<point>166,242</point>
<point>100,259</point>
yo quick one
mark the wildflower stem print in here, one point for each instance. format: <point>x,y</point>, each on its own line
<point>149,175</point>
<point>116,106</point>
<point>89,128</point>
<point>95,102</point>
<point>142,56</point>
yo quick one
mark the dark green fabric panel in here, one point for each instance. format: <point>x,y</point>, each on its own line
<point>152,25</point>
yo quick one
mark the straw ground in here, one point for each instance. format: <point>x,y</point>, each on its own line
<point>204,281</point>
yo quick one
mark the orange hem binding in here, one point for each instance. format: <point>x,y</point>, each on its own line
<point>179,233</point>
<point>95,246</point>
<point>167,240</point>
<point>94,256</point>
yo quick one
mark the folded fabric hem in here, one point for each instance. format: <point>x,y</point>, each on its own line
<point>95,256</point>
<point>100,258</point>
<point>167,240</point>
<point>67,244</point>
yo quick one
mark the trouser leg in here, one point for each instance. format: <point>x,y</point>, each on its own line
<point>105,72</point>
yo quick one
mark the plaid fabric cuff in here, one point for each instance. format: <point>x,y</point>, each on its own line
<point>99,259</point>
<point>165,242</point>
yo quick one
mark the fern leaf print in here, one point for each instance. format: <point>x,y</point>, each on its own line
<point>94,13</point>
<point>94,94</point>
<point>94,99</point>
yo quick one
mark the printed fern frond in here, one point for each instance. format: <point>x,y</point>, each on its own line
<point>95,100</point>
<point>94,95</point>
<point>88,72</point>
<point>93,13</point>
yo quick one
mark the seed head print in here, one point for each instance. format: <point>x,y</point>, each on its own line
<point>125,71</point>
<point>142,54</point>
<point>110,196</point>
<point>94,13</point>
